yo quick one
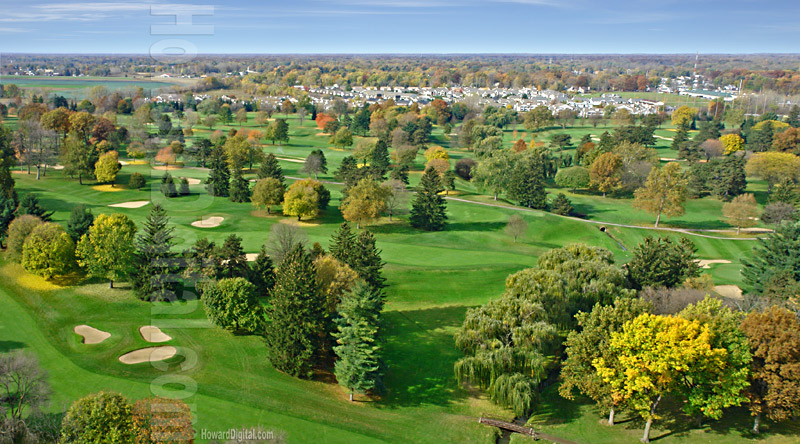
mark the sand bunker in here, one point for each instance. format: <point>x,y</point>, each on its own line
<point>91,335</point>
<point>662,137</point>
<point>729,291</point>
<point>290,160</point>
<point>57,167</point>
<point>168,167</point>
<point>152,333</point>
<point>209,222</point>
<point>134,204</point>
<point>150,354</point>
<point>251,257</point>
<point>192,181</point>
<point>706,263</point>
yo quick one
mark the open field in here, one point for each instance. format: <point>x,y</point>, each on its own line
<point>433,278</point>
<point>75,87</point>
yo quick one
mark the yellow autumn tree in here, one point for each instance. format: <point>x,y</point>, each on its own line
<point>732,143</point>
<point>664,192</point>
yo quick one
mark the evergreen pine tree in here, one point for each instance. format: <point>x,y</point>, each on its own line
<point>240,188</point>
<point>29,204</point>
<point>262,274</point>
<point>168,185</point>
<point>357,334</point>
<point>271,168</point>
<point>730,179</point>
<point>761,140</point>
<point>7,208</point>
<point>680,142</point>
<point>428,209</point>
<point>379,158</point>
<point>774,256</point>
<point>367,261</point>
<point>80,219</point>
<point>527,185</point>
<point>343,245</point>
<point>297,315</point>
<point>234,259</point>
<point>793,118</point>
<point>784,192</point>
<point>400,172</point>
<point>561,205</point>
<point>155,275</point>
<point>218,182</point>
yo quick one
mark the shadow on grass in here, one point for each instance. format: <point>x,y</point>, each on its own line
<point>420,352</point>
<point>7,346</point>
<point>475,226</point>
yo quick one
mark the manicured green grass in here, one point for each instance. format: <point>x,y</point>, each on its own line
<point>434,278</point>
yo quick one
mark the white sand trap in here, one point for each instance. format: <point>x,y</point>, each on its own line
<point>729,291</point>
<point>669,159</point>
<point>123,163</point>
<point>192,181</point>
<point>150,354</point>
<point>251,257</point>
<point>57,167</point>
<point>152,333</point>
<point>662,137</point>
<point>210,222</point>
<point>91,335</point>
<point>706,263</point>
<point>134,204</point>
<point>290,160</point>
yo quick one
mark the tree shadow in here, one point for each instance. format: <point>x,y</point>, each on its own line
<point>7,346</point>
<point>475,226</point>
<point>421,343</point>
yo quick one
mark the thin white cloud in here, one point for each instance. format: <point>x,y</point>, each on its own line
<point>92,7</point>
<point>13,30</point>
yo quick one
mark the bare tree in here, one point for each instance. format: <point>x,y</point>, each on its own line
<point>313,165</point>
<point>516,226</point>
<point>301,115</point>
<point>283,238</point>
<point>23,389</point>
<point>398,197</point>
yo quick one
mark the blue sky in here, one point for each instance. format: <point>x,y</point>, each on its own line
<point>411,26</point>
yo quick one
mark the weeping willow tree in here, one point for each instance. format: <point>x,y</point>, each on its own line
<point>508,343</point>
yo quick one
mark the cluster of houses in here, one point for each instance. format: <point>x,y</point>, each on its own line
<point>697,86</point>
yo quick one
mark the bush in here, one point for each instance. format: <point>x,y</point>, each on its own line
<point>464,168</point>
<point>49,251</point>
<point>232,305</point>
<point>136,181</point>
<point>168,186</point>
<point>18,231</point>
<point>98,418</point>
<point>573,177</point>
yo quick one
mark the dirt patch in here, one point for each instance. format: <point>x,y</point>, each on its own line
<point>150,354</point>
<point>263,213</point>
<point>293,221</point>
<point>133,204</point>
<point>107,188</point>
<point>729,291</point>
<point>706,263</point>
<point>209,222</point>
<point>152,333</point>
<point>91,335</point>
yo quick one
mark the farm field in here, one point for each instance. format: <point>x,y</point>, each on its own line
<point>74,87</point>
<point>433,279</point>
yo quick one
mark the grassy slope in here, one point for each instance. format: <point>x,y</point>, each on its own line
<point>434,278</point>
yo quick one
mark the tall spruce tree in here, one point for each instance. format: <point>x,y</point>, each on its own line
<point>29,204</point>
<point>218,182</point>
<point>262,273</point>
<point>367,261</point>
<point>296,312</point>
<point>80,219</point>
<point>343,244</point>
<point>428,209</point>
<point>234,259</point>
<point>357,336</point>
<point>777,255</point>
<point>527,184</point>
<point>240,188</point>
<point>155,274</point>
<point>379,158</point>
<point>271,168</point>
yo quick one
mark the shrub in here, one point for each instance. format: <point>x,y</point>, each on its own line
<point>18,231</point>
<point>49,251</point>
<point>464,168</point>
<point>136,181</point>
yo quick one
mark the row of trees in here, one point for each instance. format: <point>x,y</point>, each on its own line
<point>634,335</point>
